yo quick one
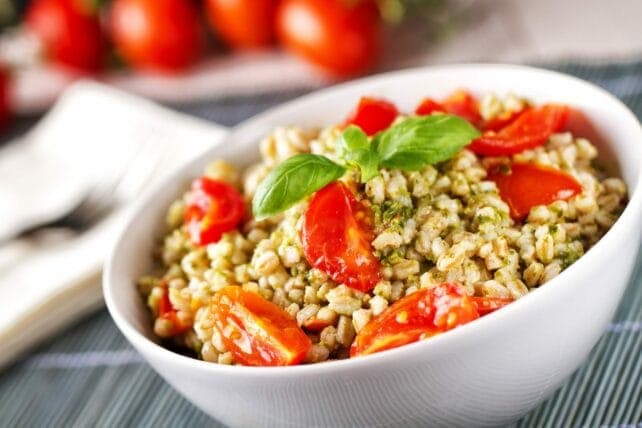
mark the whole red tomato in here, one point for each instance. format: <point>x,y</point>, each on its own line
<point>243,23</point>
<point>340,36</point>
<point>69,31</point>
<point>159,35</point>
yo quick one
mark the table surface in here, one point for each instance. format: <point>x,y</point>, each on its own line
<point>89,375</point>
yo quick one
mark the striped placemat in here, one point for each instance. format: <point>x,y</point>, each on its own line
<point>89,375</point>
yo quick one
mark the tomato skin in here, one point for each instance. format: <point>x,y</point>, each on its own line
<point>426,312</point>
<point>158,35</point>
<point>530,129</point>
<point>256,331</point>
<point>527,185</point>
<point>337,235</point>
<point>166,311</point>
<point>486,305</point>
<point>340,37</point>
<point>373,115</point>
<point>463,104</point>
<point>429,106</point>
<point>460,103</point>
<point>69,31</point>
<point>213,208</point>
<point>501,121</point>
<point>244,24</point>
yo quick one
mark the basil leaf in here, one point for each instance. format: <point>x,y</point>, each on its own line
<point>291,181</point>
<point>355,149</point>
<point>419,141</point>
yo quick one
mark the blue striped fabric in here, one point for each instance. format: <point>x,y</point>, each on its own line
<point>90,376</point>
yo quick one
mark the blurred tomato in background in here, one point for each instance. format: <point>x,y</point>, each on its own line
<point>69,31</point>
<point>341,38</point>
<point>243,24</point>
<point>160,35</point>
<point>53,42</point>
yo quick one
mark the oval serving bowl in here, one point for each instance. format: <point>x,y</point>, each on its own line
<point>486,373</point>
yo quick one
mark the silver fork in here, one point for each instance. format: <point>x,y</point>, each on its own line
<point>109,192</point>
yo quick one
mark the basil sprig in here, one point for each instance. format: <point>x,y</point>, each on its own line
<point>355,150</point>
<point>292,180</point>
<point>419,141</point>
<point>408,145</point>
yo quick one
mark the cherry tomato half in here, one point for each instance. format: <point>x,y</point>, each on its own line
<point>530,129</point>
<point>159,35</point>
<point>373,115</point>
<point>69,31</point>
<point>429,106</point>
<point>463,104</point>
<point>256,331</point>
<point>424,313</point>
<point>213,208</point>
<point>166,311</point>
<point>523,186</point>
<point>460,103</point>
<point>243,23</point>
<point>337,235</point>
<point>501,121</point>
<point>486,305</point>
<point>341,37</point>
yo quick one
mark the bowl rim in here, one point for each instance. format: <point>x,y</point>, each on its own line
<point>460,334</point>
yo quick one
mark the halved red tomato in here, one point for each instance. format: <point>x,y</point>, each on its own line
<point>523,186</point>
<point>256,331</point>
<point>501,121</point>
<point>166,311</point>
<point>424,313</point>
<point>213,208</point>
<point>460,103</point>
<point>373,115</point>
<point>429,106</point>
<point>337,235</point>
<point>530,129</point>
<point>463,104</point>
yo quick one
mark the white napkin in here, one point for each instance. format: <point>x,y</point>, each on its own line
<point>93,133</point>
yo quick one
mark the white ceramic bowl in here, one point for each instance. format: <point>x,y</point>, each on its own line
<point>488,372</point>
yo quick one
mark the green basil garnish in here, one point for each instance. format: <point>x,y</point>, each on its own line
<point>292,180</point>
<point>408,145</point>
<point>419,141</point>
<point>355,149</point>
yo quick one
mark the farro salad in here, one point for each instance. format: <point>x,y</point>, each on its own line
<point>381,231</point>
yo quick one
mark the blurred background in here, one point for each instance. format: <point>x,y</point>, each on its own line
<point>165,79</point>
<point>193,51</point>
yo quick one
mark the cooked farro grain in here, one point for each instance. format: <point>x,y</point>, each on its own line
<point>443,223</point>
